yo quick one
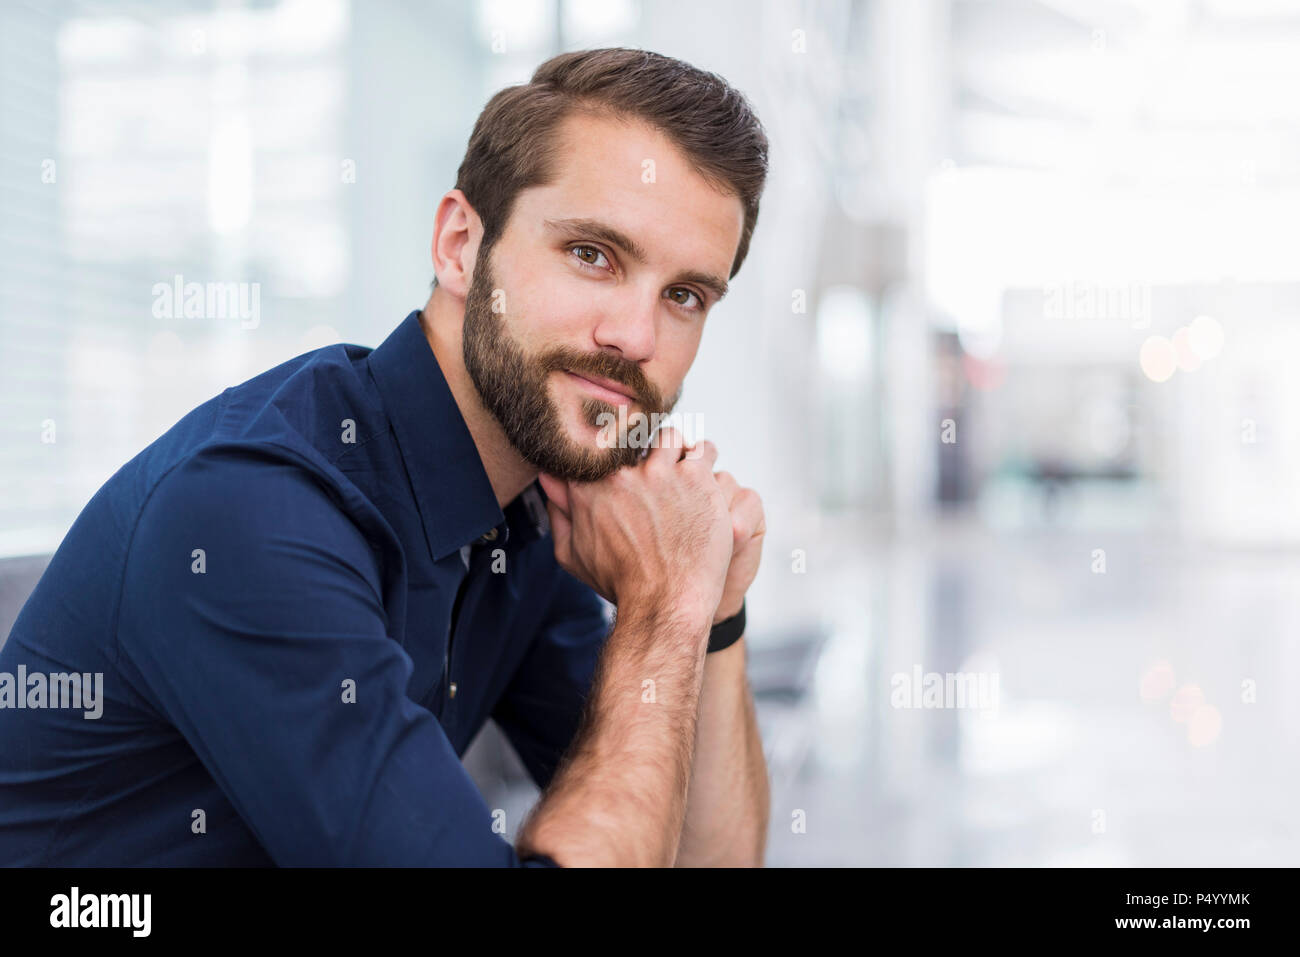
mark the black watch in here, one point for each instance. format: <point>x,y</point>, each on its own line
<point>728,631</point>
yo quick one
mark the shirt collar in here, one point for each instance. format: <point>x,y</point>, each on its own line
<point>452,491</point>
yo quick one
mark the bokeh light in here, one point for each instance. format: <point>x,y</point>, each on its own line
<point>1158,681</point>
<point>1158,359</point>
<point>1186,357</point>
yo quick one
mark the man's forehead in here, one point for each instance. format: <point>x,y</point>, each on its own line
<point>605,139</point>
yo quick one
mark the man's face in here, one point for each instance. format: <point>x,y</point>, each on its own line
<point>559,301</point>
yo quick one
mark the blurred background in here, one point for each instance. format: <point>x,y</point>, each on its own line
<point>1009,363</point>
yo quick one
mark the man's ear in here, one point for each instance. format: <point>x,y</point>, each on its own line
<point>457,231</point>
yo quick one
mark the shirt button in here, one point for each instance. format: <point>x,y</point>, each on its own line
<point>490,535</point>
<point>452,689</point>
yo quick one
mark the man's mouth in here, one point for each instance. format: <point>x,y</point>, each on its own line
<point>606,389</point>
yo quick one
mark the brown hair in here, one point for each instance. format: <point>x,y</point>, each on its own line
<point>512,147</point>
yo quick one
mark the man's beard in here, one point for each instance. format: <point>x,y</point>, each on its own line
<point>514,388</point>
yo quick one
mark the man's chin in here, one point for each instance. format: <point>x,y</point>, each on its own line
<point>578,470</point>
<point>583,458</point>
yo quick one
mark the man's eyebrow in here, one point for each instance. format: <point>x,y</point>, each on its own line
<point>615,237</point>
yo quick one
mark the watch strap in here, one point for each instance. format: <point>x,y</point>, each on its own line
<point>728,631</point>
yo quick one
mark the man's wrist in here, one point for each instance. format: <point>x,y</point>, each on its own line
<point>728,610</point>
<point>679,610</point>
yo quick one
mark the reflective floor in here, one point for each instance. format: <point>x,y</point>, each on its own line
<point>1143,712</point>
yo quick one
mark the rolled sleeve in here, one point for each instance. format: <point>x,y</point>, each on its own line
<point>252,615</point>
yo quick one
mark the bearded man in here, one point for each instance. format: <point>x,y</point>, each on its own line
<point>308,596</point>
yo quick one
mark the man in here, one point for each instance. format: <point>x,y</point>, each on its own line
<point>307,597</point>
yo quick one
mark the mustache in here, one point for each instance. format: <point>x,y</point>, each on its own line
<point>605,366</point>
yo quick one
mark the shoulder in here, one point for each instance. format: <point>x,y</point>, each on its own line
<point>242,485</point>
<point>320,404</point>
<point>253,517</point>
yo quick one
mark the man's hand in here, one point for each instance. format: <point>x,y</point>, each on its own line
<point>748,525</point>
<point>673,545</point>
<point>660,531</point>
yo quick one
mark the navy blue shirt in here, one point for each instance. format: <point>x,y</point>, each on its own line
<point>268,591</point>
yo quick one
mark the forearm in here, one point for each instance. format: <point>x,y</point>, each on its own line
<point>728,804</point>
<point>619,796</point>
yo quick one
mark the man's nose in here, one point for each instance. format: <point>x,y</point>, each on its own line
<point>629,327</point>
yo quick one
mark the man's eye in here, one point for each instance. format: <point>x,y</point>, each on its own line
<point>686,302</point>
<point>596,254</point>
<point>592,257</point>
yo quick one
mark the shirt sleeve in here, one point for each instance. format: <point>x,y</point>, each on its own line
<point>542,706</point>
<point>252,612</point>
